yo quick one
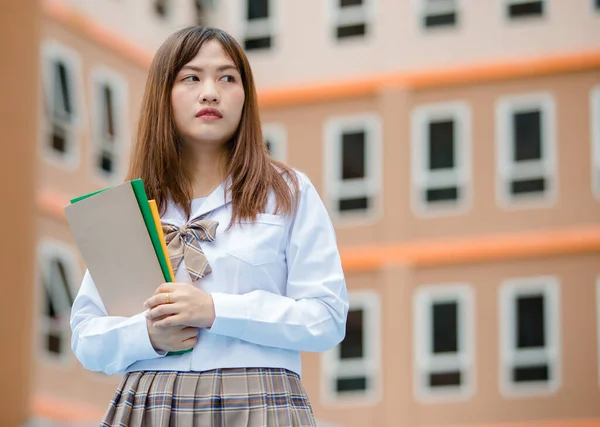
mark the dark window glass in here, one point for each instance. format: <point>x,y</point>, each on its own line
<point>257,9</point>
<point>445,327</point>
<point>353,155</point>
<point>531,373</point>
<point>524,10</point>
<point>527,136</point>
<point>441,145</point>
<point>351,384</point>
<point>352,346</point>
<point>530,322</point>
<point>442,20</point>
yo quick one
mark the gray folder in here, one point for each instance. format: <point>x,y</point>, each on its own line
<point>114,242</point>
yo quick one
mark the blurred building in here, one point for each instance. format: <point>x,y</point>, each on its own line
<point>456,144</point>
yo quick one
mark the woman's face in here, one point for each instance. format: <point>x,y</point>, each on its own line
<point>208,97</point>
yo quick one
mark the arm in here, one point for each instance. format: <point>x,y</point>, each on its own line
<point>312,314</point>
<point>106,343</point>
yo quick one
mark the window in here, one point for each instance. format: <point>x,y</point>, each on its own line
<point>443,342</point>
<point>439,13</point>
<point>351,18</point>
<point>351,369</point>
<point>353,165</point>
<point>595,138</point>
<point>529,336</point>
<point>162,8</point>
<point>202,9</point>
<point>441,158</point>
<point>110,110</point>
<point>259,25</point>
<point>526,150</point>
<point>276,140</point>
<point>596,4</point>
<point>58,272</point>
<point>61,76</point>
<point>516,9</point>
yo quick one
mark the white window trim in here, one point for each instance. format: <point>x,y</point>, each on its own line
<point>595,138</point>
<point>257,28</point>
<point>426,9</point>
<point>509,290</point>
<point>277,134</point>
<point>424,361</point>
<point>333,368</point>
<point>351,15</point>
<point>546,167</point>
<point>46,249</point>
<point>370,186</point>
<point>52,50</point>
<point>105,76</point>
<point>461,175</point>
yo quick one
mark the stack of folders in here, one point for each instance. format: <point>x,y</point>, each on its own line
<point>120,237</point>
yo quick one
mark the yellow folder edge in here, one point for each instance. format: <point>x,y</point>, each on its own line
<point>161,235</point>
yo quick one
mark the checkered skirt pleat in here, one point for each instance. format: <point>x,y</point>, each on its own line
<point>249,397</point>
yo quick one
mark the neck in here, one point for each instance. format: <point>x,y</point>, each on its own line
<point>208,168</point>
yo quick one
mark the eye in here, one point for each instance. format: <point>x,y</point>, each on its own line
<point>229,78</point>
<point>190,79</point>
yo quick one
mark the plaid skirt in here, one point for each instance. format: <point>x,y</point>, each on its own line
<point>249,397</point>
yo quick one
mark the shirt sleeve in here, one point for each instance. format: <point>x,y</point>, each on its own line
<point>312,315</point>
<point>107,343</point>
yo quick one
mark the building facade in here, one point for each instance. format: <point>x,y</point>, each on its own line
<point>456,145</point>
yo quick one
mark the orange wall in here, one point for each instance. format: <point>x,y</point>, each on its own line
<point>18,121</point>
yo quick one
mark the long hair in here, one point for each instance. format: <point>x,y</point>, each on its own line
<point>157,155</point>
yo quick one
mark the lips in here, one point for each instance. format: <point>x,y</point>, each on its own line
<point>209,113</point>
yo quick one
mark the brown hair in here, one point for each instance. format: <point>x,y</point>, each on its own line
<point>157,152</point>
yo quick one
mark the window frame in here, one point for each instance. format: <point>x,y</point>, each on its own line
<point>422,178</point>
<point>259,28</point>
<point>595,139</point>
<point>509,291</point>
<point>370,365</point>
<point>424,6</point>
<point>370,186</point>
<point>100,76</point>
<point>424,361</point>
<point>52,52</point>
<point>47,250</point>
<point>277,133</point>
<point>506,106</point>
<point>353,15</point>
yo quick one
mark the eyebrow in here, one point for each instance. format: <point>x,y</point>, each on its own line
<point>219,69</point>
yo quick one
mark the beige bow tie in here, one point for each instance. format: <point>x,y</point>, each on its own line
<point>183,243</point>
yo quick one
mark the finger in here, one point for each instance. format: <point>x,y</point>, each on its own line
<point>188,333</point>
<point>189,343</point>
<point>162,310</point>
<point>167,287</point>
<point>174,320</point>
<point>158,299</point>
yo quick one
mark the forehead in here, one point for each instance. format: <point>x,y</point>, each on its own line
<point>211,53</point>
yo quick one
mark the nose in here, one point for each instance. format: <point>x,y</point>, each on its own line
<point>209,93</point>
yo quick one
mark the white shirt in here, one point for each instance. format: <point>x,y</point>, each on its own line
<point>278,289</point>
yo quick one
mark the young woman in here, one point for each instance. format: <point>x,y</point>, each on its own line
<point>258,273</point>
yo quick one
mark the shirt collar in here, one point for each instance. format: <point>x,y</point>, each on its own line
<point>215,200</point>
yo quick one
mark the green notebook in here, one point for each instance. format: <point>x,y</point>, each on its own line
<point>142,199</point>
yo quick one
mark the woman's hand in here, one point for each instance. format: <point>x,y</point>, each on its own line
<point>180,304</point>
<point>172,338</point>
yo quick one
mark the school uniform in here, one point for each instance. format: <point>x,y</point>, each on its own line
<point>278,289</point>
